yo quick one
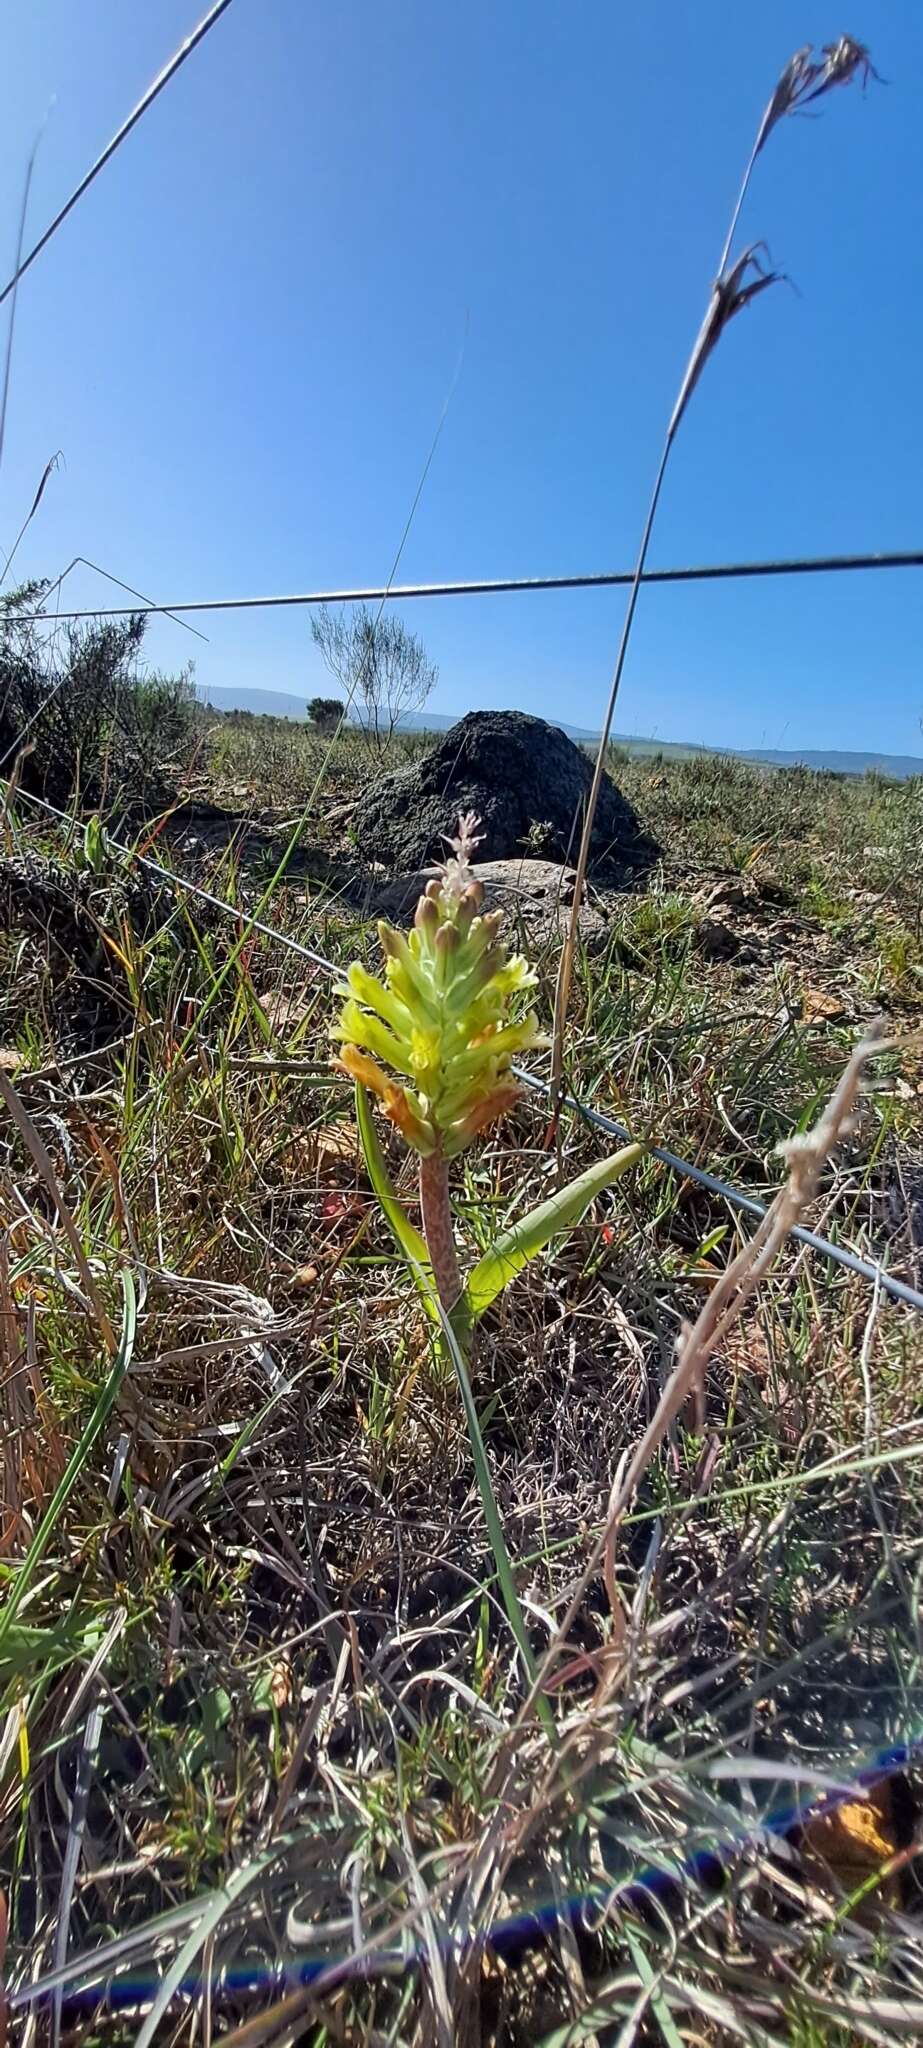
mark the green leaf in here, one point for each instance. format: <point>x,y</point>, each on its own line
<point>515,1247</point>
<point>207,1744</point>
<point>106,1399</point>
<point>28,1650</point>
<point>494,1521</point>
<point>94,844</point>
<point>407,1237</point>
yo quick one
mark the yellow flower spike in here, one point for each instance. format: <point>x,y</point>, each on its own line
<point>447,1013</point>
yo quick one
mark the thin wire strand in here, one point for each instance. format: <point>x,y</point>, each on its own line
<point>83,561</point>
<point>147,99</point>
<point>41,708</point>
<point>866,1269</point>
<point>499,586</point>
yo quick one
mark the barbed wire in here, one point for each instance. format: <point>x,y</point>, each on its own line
<point>869,1270</point>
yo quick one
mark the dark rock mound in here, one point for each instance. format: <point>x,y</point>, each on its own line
<point>528,783</point>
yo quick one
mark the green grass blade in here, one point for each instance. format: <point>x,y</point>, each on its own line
<point>504,1566</point>
<point>105,1402</point>
<point>214,1908</point>
<point>406,1235</point>
<point>515,1247</point>
<point>649,1979</point>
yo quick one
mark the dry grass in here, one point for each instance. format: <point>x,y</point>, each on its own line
<point>265,1650</point>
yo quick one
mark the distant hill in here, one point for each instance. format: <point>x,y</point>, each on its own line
<point>263,703</point>
<point>277,704</point>
<point>900,766</point>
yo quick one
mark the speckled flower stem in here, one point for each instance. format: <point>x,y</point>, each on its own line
<point>437,1227</point>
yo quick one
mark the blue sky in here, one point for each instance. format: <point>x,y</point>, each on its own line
<point>242,338</point>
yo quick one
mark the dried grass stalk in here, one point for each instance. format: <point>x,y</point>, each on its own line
<point>33,1142</point>
<point>32,1455</point>
<point>805,80</point>
<point>807,1157</point>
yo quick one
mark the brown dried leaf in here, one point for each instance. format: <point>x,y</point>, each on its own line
<point>280,1684</point>
<point>326,1152</point>
<point>337,1141</point>
<point>820,1004</point>
<point>855,1841</point>
<point>286,1007</point>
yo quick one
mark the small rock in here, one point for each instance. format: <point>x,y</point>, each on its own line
<point>717,940</point>
<point>729,893</point>
<point>537,892</point>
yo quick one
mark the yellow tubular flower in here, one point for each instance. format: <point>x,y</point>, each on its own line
<point>448,1014</point>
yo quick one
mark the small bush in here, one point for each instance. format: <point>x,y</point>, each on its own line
<point>83,715</point>
<point>325,713</point>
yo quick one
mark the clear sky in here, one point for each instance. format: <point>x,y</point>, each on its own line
<point>242,338</point>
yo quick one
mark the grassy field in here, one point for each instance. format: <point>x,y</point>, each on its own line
<point>257,1676</point>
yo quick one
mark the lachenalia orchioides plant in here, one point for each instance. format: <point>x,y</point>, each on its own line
<point>434,1040</point>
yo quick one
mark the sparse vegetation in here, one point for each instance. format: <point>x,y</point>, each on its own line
<point>83,716</point>
<point>270,1568</point>
<point>576,1699</point>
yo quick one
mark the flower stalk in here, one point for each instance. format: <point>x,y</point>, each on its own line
<point>436,1213</point>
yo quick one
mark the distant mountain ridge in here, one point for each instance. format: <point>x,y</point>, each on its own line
<point>835,760</point>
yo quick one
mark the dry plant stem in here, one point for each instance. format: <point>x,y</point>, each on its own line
<point>806,1158</point>
<point>566,964</point>
<point>803,79</point>
<point>729,294</point>
<point>31,1138</point>
<point>436,1209</point>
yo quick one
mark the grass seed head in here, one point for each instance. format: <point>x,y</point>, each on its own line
<point>807,78</point>
<point>730,294</point>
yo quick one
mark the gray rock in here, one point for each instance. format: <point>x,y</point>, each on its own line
<point>527,782</point>
<point>534,895</point>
